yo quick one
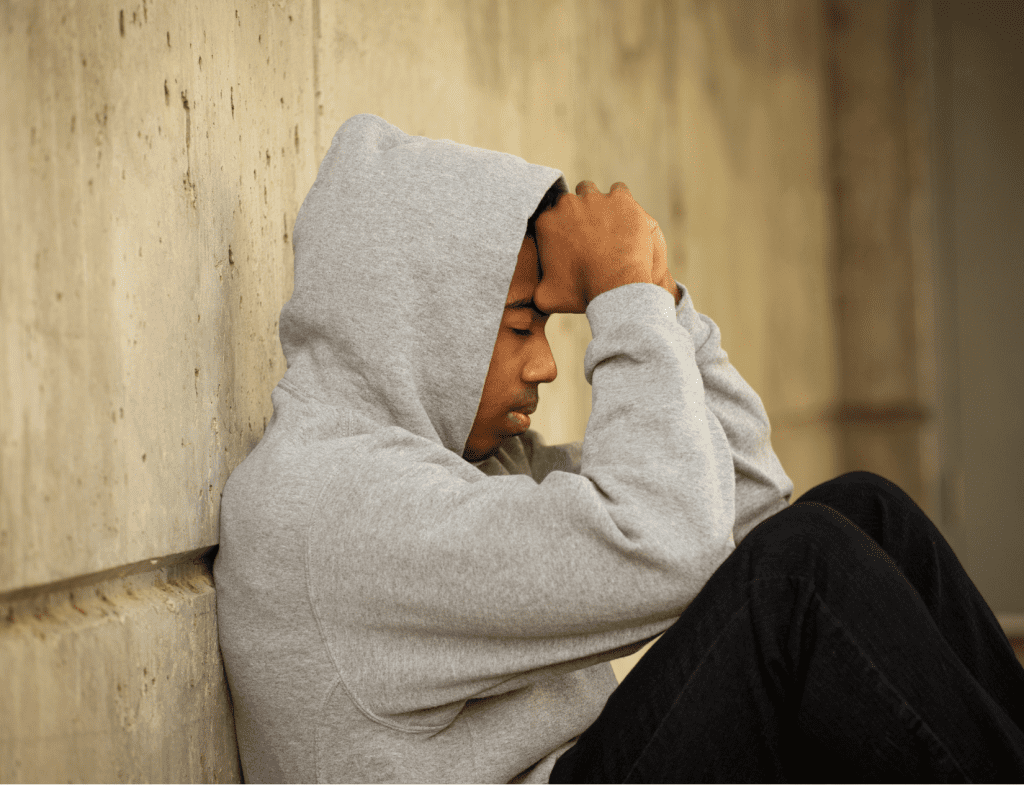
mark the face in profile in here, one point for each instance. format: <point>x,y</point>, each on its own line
<point>521,360</point>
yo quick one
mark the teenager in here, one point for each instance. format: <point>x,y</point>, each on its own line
<point>413,587</point>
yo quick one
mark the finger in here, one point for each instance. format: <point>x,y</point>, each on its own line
<point>660,267</point>
<point>618,185</point>
<point>586,187</point>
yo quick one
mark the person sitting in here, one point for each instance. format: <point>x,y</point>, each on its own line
<point>413,587</point>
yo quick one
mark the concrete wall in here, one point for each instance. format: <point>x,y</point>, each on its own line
<point>926,138</point>
<point>879,82</point>
<point>979,68</point>
<point>153,156</point>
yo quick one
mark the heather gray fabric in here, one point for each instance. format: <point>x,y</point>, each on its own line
<point>389,612</point>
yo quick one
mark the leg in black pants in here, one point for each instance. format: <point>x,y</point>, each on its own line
<point>841,641</point>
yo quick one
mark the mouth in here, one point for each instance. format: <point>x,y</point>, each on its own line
<point>520,416</point>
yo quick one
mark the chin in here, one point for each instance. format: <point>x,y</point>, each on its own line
<point>477,456</point>
<point>499,438</point>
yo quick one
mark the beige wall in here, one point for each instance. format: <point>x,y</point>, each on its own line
<point>926,139</point>
<point>153,156</point>
<point>979,87</point>
<point>880,161</point>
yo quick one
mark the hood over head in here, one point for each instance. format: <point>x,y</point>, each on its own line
<point>404,251</point>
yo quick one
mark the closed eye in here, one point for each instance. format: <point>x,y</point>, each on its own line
<point>522,332</point>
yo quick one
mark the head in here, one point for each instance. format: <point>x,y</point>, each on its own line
<point>522,358</point>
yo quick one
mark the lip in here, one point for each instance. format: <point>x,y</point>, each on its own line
<point>520,416</point>
<point>520,421</point>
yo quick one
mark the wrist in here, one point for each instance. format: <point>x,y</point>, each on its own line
<point>611,281</point>
<point>669,284</point>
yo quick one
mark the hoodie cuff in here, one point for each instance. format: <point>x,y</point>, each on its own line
<point>637,302</point>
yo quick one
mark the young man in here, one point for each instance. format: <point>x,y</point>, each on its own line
<point>413,587</point>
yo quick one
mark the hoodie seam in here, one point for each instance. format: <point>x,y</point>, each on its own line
<point>291,388</point>
<point>362,708</point>
<point>298,392</point>
<point>316,726</point>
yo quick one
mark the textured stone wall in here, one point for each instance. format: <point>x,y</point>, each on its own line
<point>153,156</point>
<point>117,681</point>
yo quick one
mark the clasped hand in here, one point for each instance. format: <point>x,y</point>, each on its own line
<point>592,242</point>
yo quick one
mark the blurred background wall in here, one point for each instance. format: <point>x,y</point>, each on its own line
<point>840,184</point>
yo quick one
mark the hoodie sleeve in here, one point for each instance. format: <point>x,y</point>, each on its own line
<point>433,583</point>
<point>762,486</point>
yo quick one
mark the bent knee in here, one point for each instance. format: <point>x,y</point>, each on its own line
<point>866,478</point>
<point>804,523</point>
<point>852,486</point>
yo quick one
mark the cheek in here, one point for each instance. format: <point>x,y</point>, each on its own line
<point>507,362</point>
<point>496,384</point>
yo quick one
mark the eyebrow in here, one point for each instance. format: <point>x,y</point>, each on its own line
<point>519,304</point>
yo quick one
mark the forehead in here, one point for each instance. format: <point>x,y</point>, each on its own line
<point>527,274</point>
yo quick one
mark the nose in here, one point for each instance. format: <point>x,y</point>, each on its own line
<point>540,366</point>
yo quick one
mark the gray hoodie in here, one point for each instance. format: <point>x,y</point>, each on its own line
<point>390,612</point>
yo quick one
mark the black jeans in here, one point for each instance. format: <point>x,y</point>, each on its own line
<point>842,641</point>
